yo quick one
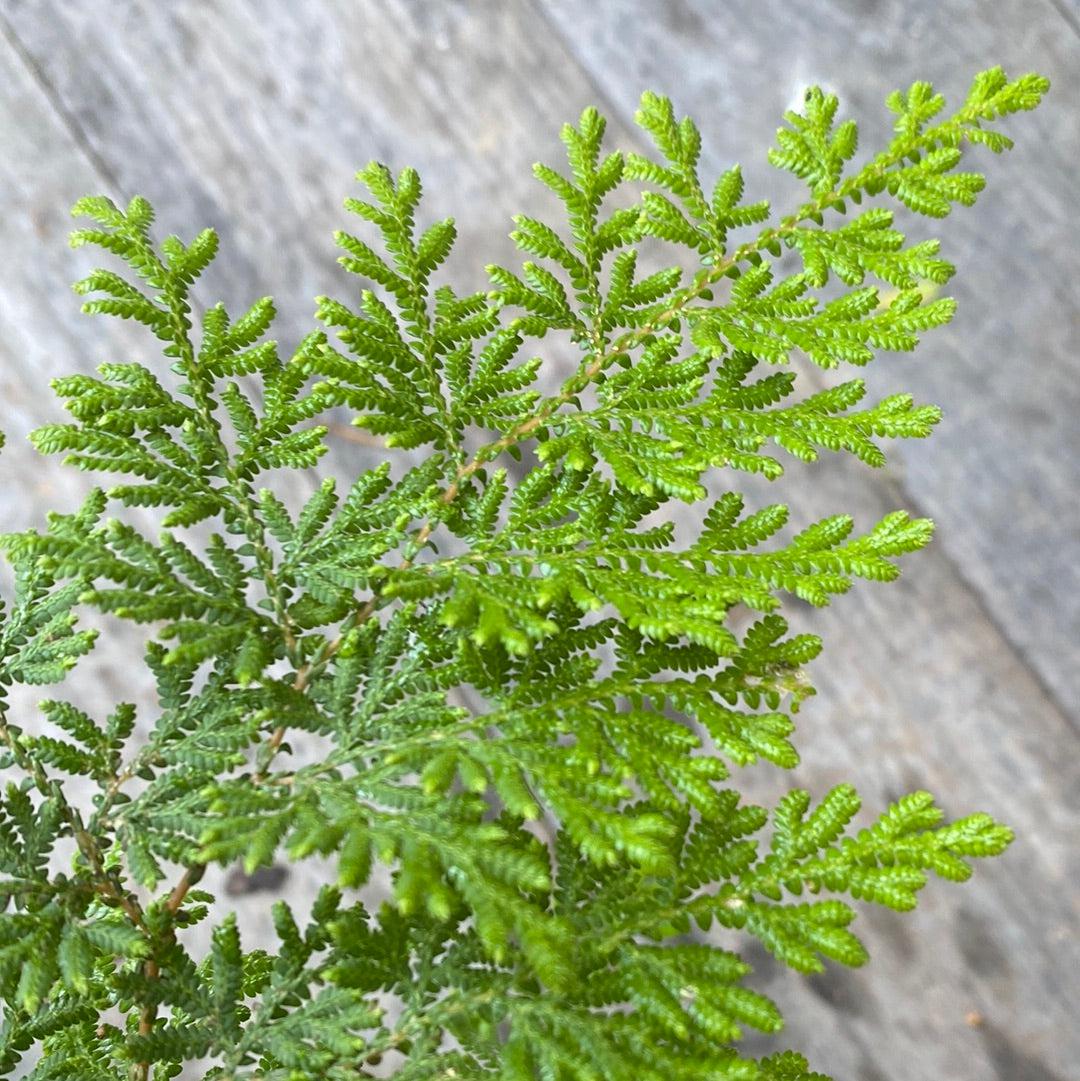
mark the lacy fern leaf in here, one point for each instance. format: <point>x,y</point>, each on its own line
<point>552,844</point>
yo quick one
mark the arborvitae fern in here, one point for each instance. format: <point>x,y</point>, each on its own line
<point>617,695</point>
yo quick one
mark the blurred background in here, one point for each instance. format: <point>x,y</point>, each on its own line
<point>963,678</point>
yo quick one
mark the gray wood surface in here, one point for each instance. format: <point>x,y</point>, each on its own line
<point>963,678</point>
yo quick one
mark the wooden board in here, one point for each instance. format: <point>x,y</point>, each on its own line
<point>253,118</point>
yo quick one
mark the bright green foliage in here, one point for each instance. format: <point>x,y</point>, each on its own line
<point>614,695</point>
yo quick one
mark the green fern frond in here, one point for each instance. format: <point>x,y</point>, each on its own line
<point>487,658</point>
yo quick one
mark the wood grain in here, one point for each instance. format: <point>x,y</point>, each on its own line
<point>252,118</point>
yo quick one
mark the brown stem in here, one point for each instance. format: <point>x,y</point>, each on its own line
<point>151,968</point>
<point>191,877</point>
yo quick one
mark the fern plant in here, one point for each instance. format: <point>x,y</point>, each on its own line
<point>553,843</point>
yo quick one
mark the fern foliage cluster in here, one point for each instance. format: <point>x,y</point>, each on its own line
<point>555,844</point>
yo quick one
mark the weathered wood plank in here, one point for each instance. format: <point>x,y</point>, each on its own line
<point>253,120</point>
